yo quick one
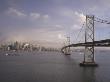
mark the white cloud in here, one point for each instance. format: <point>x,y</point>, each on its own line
<point>15,12</point>
<point>76,27</point>
<point>58,26</point>
<point>60,36</point>
<point>45,16</point>
<point>94,8</point>
<point>45,36</point>
<point>35,16</point>
<point>66,12</point>
<point>80,17</point>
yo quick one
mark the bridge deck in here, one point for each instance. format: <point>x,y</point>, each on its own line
<point>101,43</point>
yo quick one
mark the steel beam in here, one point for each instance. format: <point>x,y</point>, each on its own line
<point>89,37</point>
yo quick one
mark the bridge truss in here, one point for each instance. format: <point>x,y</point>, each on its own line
<point>89,37</point>
<point>89,41</point>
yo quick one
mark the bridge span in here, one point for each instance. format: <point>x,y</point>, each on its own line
<point>89,43</point>
<point>101,43</point>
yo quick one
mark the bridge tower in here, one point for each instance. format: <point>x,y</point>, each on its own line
<point>89,37</point>
<point>67,50</point>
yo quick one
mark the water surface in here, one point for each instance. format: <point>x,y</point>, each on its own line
<point>52,67</point>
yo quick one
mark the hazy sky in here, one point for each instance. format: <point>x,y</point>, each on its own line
<point>50,21</point>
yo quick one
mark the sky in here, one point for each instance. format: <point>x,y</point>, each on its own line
<point>49,22</point>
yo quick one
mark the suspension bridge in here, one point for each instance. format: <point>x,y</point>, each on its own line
<point>89,43</point>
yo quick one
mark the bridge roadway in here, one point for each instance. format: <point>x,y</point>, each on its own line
<point>101,43</point>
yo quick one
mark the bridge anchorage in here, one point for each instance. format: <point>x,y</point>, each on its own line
<point>89,59</point>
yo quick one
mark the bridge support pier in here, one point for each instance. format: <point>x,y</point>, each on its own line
<point>88,64</point>
<point>67,50</point>
<point>89,37</point>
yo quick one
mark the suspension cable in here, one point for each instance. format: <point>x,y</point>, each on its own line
<point>80,32</point>
<point>101,20</point>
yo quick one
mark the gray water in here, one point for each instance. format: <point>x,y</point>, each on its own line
<point>52,67</point>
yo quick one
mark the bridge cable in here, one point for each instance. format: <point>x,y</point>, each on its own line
<point>80,32</point>
<point>101,20</point>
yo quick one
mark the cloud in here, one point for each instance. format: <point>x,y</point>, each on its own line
<point>58,26</point>
<point>45,16</point>
<point>62,37</point>
<point>43,36</point>
<point>75,27</point>
<point>80,17</point>
<point>35,16</point>
<point>66,12</point>
<point>15,12</point>
<point>39,17</point>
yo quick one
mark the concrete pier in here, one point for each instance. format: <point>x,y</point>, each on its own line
<point>88,64</point>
